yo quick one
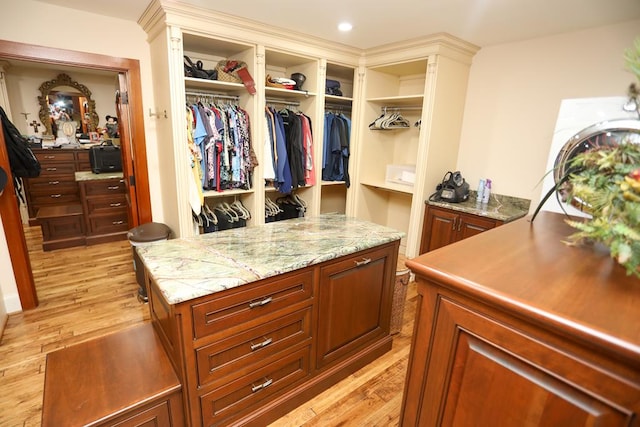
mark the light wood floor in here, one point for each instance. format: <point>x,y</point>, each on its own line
<point>91,291</point>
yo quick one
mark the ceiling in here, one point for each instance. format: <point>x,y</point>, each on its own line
<point>377,22</point>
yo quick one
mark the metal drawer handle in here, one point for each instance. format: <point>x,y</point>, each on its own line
<point>49,157</point>
<point>260,303</point>
<point>55,196</point>
<point>115,187</point>
<point>258,387</point>
<point>54,182</point>
<point>459,223</point>
<point>453,224</point>
<point>363,261</point>
<point>115,205</point>
<point>52,169</point>
<point>117,222</point>
<point>264,343</point>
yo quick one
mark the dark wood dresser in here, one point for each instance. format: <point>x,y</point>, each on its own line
<point>515,328</point>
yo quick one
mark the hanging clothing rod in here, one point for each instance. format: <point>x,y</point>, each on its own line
<point>281,101</point>
<point>337,107</point>
<point>211,95</point>
<point>401,107</point>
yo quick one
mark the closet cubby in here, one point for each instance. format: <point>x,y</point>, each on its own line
<point>333,197</point>
<point>278,63</point>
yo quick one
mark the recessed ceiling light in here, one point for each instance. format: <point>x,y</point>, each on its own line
<point>345,26</point>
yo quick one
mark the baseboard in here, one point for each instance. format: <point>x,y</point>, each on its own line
<point>12,303</point>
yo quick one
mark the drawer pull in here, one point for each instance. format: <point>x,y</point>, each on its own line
<point>52,169</point>
<point>260,303</point>
<point>459,223</point>
<point>117,222</point>
<point>453,224</point>
<point>55,196</point>
<point>264,343</point>
<point>54,182</point>
<point>115,205</point>
<point>114,187</point>
<point>49,157</point>
<point>363,261</point>
<point>258,387</point>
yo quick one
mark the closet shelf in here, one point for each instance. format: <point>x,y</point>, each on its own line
<point>387,186</point>
<point>210,194</point>
<point>393,101</point>
<point>212,85</point>
<point>287,93</point>
<point>333,99</point>
<point>333,183</point>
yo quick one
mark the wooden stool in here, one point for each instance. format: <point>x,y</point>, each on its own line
<point>62,226</point>
<point>124,378</point>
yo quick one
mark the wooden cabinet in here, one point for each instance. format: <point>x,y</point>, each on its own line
<point>531,333</point>
<point>105,209</point>
<point>248,355</point>
<point>444,226</point>
<point>120,380</point>
<point>56,185</point>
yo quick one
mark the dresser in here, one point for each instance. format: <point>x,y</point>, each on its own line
<point>516,328</point>
<point>257,320</point>
<point>445,223</point>
<point>56,185</point>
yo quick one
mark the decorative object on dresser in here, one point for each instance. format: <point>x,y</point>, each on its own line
<point>523,312</point>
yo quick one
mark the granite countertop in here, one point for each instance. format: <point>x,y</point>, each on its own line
<point>188,268</point>
<point>502,208</point>
<point>90,176</point>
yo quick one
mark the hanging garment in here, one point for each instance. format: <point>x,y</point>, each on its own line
<point>336,148</point>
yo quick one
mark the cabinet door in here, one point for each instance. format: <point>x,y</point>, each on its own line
<point>354,304</point>
<point>470,225</point>
<point>476,362</point>
<point>439,229</point>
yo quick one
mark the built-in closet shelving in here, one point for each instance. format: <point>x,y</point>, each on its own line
<point>424,80</point>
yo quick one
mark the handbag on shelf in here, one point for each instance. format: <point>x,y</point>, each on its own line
<point>232,71</point>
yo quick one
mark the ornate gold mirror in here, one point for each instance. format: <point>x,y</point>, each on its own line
<point>65,100</point>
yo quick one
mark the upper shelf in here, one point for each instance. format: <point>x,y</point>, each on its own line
<point>392,101</point>
<point>287,93</point>
<point>214,85</point>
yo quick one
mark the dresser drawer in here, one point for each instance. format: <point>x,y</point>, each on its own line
<point>101,205</point>
<point>105,224</point>
<point>52,169</point>
<point>62,197</point>
<point>48,187</point>
<point>54,156</point>
<point>244,305</point>
<point>51,181</point>
<point>103,187</point>
<point>226,404</point>
<point>238,355</point>
<point>82,161</point>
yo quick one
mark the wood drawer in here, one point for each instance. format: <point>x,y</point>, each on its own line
<point>105,224</point>
<point>54,156</point>
<point>103,187</point>
<point>228,403</point>
<point>49,187</point>
<point>156,415</point>
<point>243,305</point>
<point>58,198</point>
<point>83,162</point>
<point>224,360</point>
<point>58,169</point>
<point>101,205</point>
<point>51,182</point>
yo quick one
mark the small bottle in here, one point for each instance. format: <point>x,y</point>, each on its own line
<point>480,191</point>
<point>487,191</point>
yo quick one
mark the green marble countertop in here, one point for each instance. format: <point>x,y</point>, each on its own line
<point>90,176</point>
<point>502,208</point>
<point>188,268</point>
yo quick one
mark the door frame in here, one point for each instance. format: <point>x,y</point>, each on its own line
<point>136,157</point>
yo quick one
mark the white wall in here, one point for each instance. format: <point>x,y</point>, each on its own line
<point>514,96</point>
<point>42,24</point>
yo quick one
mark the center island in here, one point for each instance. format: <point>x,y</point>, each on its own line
<point>257,320</point>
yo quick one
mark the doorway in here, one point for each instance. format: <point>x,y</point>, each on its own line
<point>133,144</point>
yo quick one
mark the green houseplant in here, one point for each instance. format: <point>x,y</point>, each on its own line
<point>605,181</point>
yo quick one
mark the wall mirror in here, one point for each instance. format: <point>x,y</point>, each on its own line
<point>65,100</point>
